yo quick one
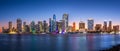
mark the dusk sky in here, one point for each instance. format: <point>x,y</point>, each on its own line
<point>39,10</point>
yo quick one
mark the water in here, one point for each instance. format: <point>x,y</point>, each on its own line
<point>69,42</point>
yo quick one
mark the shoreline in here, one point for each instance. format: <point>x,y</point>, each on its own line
<point>61,34</point>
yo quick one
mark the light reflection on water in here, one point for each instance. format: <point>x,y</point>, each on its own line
<point>74,42</point>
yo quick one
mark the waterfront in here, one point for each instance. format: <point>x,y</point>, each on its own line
<point>59,42</point>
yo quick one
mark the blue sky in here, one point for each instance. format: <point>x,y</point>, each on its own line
<point>39,10</point>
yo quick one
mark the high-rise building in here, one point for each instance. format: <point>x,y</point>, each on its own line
<point>27,29</point>
<point>116,29</point>
<point>45,26</point>
<point>69,28</point>
<point>24,23</point>
<point>90,24</point>
<point>54,23</point>
<point>19,25</point>
<point>59,27</point>
<point>38,27</point>
<point>65,18</point>
<point>24,26</point>
<point>3,30</point>
<point>98,27</point>
<point>81,26</point>
<point>74,27</point>
<point>63,26</point>
<point>50,25</point>
<point>110,26</point>
<point>32,27</point>
<point>10,26</point>
<point>41,26</point>
<point>105,26</point>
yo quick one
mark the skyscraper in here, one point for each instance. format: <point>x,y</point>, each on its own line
<point>33,27</point>
<point>63,26</point>
<point>38,27</point>
<point>24,23</point>
<point>116,28</point>
<point>44,26</point>
<point>24,26</point>
<point>59,26</point>
<point>81,26</point>
<point>105,26</point>
<point>65,18</point>
<point>10,26</point>
<point>27,29</point>
<point>54,23</point>
<point>98,27</point>
<point>50,25</point>
<point>74,27</point>
<point>110,26</point>
<point>41,26</point>
<point>69,28</point>
<point>90,24</point>
<point>19,25</point>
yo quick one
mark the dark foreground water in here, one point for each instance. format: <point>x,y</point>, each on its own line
<point>69,42</point>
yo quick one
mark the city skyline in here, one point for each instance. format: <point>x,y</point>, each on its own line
<point>43,10</point>
<point>61,26</point>
<point>77,25</point>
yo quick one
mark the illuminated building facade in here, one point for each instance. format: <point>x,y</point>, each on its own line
<point>38,27</point>
<point>50,25</point>
<point>10,26</point>
<point>74,27</point>
<point>69,28</point>
<point>105,26</point>
<point>98,27</point>
<point>116,29</point>
<point>32,27</point>
<point>59,26</point>
<point>24,26</point>
<point>90,24</point>
<point>45,26</point>
<point>41,26</point>
<point>54,23</point>
<point>27,29</point>
<point>110,26</point>
<point>63,26</point>
<point>66,21</point>
<point>19,25</point>
<point>81,26</point>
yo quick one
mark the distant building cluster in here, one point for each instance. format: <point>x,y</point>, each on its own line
<point>59,27</point>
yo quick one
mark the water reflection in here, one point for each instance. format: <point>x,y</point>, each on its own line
<point>75,42</point>
<point>90,43</point>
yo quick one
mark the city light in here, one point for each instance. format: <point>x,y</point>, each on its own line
<point>60,27</point>
<point>12,32</point>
